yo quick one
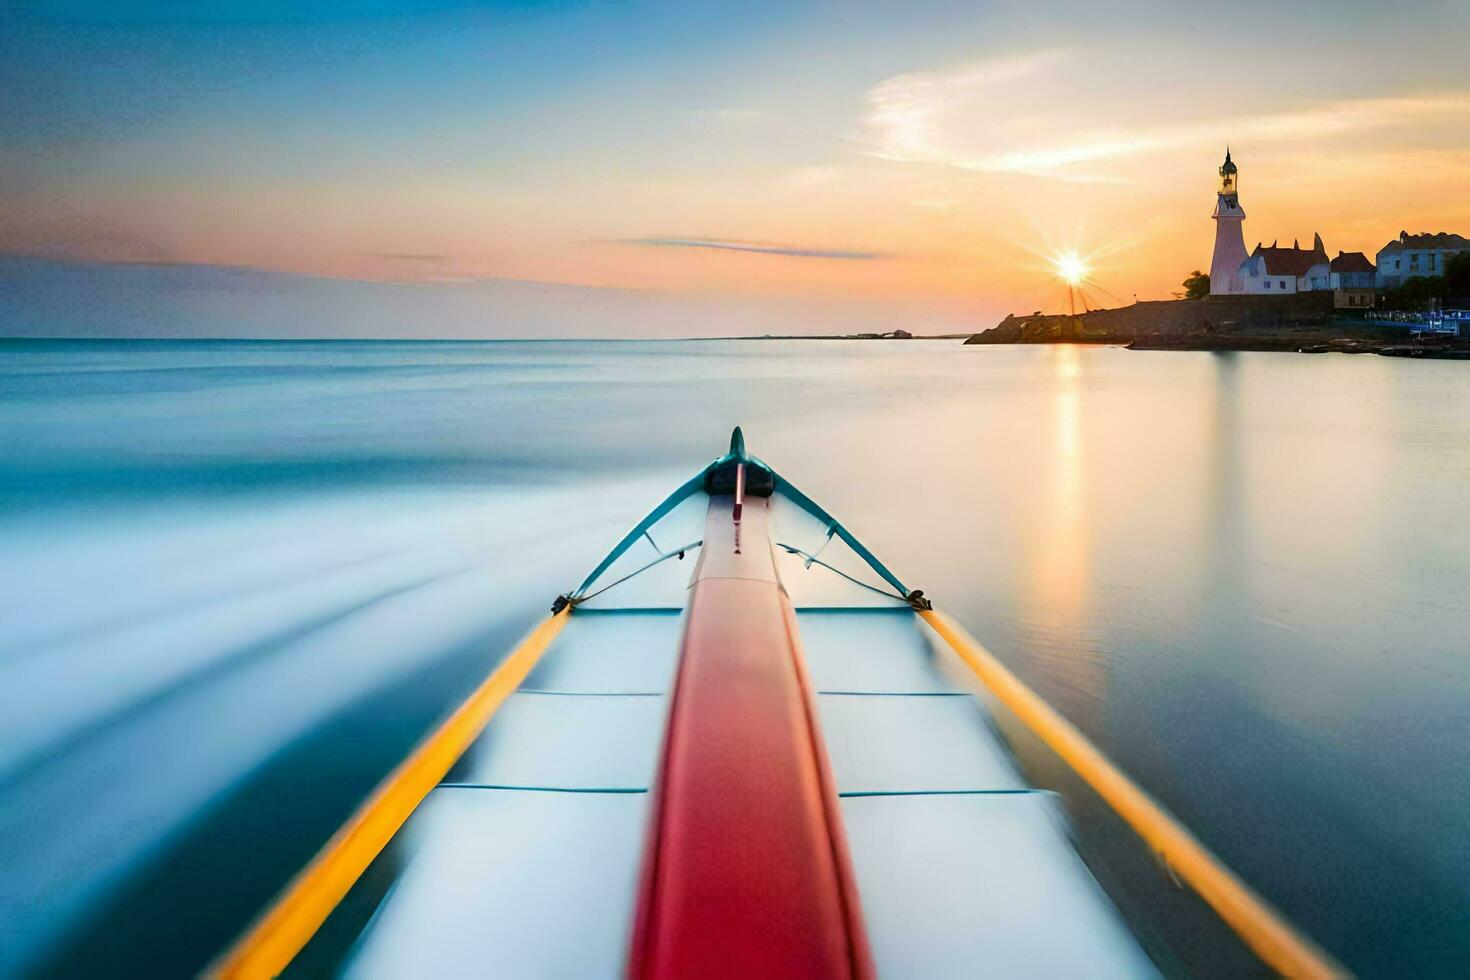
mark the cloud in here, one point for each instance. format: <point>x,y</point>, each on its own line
<point>1311,123</point>
<point>757,247</point>
<point>970,117</point>
<point>422,258</point>
<point>908,114</point>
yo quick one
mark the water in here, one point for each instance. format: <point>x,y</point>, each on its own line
<point>238,579</point>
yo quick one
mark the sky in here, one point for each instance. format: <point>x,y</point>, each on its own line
<point>906,157</point>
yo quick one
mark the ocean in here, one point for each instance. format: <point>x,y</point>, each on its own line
<point>239,579</point>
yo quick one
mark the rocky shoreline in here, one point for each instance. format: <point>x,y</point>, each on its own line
<point>1301,323</point>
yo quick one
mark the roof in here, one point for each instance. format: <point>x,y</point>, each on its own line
<point>1438,239</point>
<point>1288,261</point>
<point>1351,262</point>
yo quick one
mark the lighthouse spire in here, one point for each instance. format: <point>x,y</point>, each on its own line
<point>1229,239</point>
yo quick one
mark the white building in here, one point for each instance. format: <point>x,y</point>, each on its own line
<point>1274,271</point>
<point>1416,255</point>
<point>1225,278</point>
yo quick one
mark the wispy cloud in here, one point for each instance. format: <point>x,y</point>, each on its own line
<point>1311,123</point>
<point>789,251</point>
<point>908,115</point>
<point>417,258</point>
<point>961,118</point>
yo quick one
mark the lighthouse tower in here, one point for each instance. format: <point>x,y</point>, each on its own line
<point>1225,275</point>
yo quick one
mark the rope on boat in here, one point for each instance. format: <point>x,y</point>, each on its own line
<point>812,559</point>
<point>780,485</point>
<point>834,526</point>
<point>1262,928</point>
<point>831,533</point>
<point>690,487</point>
<point>915,599</point>
<point>275,938</point>
<point>577,598</point>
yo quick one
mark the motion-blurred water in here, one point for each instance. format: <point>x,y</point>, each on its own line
<point>237,580</point>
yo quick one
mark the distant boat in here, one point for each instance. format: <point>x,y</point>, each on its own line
<point>773,766</point>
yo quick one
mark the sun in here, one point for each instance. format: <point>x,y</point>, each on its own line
<point>1071,268</point>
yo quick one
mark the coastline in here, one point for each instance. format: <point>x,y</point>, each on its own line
<point>1299,323</point>
<point>1459,351</point>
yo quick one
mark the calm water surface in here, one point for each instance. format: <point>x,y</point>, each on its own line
<point>237,580</point>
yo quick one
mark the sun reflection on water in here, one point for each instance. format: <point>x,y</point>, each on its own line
<point>1060,553</point>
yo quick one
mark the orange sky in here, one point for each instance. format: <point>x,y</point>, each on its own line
<point>930,159</point>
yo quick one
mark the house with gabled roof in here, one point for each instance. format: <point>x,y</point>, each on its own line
<point>1352,278</point>
<point>1276,270</point>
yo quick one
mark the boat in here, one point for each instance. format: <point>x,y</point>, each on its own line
<point>743,747</point>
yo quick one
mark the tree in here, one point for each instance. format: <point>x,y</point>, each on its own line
<point>1420,292</point>
<point>1416,293</point>
<point>1457,274</point>
<point>1196,285</point>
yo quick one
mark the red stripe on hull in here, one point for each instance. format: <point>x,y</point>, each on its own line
<point>746,872</point>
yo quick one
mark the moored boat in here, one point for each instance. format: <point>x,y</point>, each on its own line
<point>772,764</point>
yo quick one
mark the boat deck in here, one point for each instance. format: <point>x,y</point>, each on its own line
<point>526,858</point>
<point>770,767</point>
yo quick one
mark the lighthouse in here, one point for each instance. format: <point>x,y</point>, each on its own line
<point>1225,275</point>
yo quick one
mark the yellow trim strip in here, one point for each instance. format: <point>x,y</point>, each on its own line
<point>1279,945</point>
<point>280,933</point>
